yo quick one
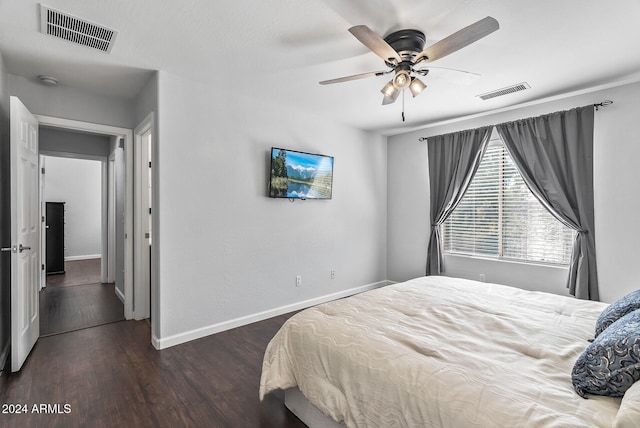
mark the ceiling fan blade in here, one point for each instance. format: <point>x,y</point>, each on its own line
<point>451,75</point>
<point>459,39</point>
<point>449,71</point>
<point>355,77</point>
<point>375,43</point>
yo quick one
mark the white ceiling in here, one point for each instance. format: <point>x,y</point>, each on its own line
<point>280,49</point>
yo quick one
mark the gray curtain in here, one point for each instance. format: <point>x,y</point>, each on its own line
<point>453,161</point>
<point>554,154</point>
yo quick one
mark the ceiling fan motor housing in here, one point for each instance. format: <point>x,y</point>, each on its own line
<point>408,43</point>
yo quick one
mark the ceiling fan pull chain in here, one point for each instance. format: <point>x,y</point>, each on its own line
<point>403,106</point>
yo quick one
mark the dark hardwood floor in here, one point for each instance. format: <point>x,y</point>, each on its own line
<point>76,272</point>
<point>76,299</point>
<point>110,376</point>
<point>64,309</point>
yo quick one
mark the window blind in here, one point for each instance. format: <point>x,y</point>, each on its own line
<point>499,217</point>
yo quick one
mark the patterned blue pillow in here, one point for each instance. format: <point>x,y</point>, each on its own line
<point>617,310</point>
<point>611,363</point>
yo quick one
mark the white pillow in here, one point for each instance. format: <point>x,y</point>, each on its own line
<point>629,413</point>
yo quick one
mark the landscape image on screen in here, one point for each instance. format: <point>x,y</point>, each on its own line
<point>300,175</point>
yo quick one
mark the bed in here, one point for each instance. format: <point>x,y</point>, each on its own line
<point>441,352</point>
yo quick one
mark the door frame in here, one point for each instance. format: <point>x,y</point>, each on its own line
<point>143,260</point>
<point>111,218</point>
<point>43,224</point>
<point>127,137</point>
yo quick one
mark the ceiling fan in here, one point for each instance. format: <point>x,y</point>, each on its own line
<point>404,53</point>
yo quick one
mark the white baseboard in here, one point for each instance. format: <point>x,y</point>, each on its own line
<point>155,342</point>
<point>187,336</point>
<point>119,294</point>
<point>85,257</point>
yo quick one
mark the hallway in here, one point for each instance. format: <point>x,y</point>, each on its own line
<point>77,299</point>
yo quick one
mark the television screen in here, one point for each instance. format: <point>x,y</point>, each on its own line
<point>300,175</point>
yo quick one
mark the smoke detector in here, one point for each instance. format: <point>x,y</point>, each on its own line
<point>48,80</point>
<point>76,30</point>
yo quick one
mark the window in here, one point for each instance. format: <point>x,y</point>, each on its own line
<point>499,217</point>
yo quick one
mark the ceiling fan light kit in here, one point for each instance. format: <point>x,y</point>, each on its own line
<point>402,51</point>
<point>390,93</point>
<point>416,86</point>
<point>402,79</point>
<point>389,90</point>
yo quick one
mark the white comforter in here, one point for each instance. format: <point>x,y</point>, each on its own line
<point>441,352</point>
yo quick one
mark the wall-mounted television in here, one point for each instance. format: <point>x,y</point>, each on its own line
<point>300,175</point>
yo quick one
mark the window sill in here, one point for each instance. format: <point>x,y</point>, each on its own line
<point>528,276</point>
<point>507,261</point>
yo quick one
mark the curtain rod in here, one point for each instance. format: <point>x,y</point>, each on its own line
<point>604,103</point>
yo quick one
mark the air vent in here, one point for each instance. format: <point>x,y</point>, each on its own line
<point>504,91</point>
<point>76,30</point>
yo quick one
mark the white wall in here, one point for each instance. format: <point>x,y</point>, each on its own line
<point>71,103</point>
<point>226,250</point>
<point>77,182</point>
<point>617,199</point>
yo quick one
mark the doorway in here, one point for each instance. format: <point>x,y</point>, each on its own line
<point>76,294</point>
<point>125,144</point>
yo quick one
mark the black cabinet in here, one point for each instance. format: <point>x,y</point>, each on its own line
<point>55,237</point>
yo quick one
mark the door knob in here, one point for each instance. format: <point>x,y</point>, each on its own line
<point>7,249</point>
<point>21,248</point>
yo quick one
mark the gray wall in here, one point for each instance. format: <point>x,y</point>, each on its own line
<point>5,215</point>
<point>147,100</point>
<point>616,198</point>
<point>59,141</point>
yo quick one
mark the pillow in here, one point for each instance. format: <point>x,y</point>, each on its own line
<point>629,412</point>
<point>617,310</point>
<point>611,363</point>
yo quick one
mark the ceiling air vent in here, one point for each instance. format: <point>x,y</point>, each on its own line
<point>76,30</point>
<point>504,91</point>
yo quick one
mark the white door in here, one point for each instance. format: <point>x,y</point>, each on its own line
<point>25,233</point>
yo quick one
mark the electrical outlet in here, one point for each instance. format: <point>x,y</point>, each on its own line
<point>482,277</point>
<point>298,280</point>
<point>332,275</point>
